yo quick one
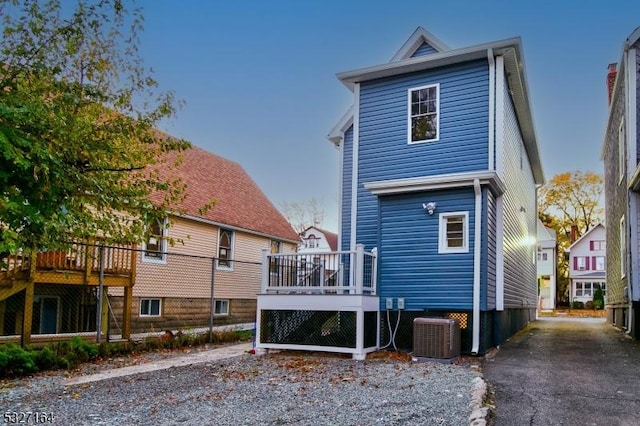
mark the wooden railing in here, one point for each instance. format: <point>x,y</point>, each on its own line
<point>76,256</point>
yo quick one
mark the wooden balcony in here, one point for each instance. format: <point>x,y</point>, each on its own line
<point>78,264</point>
<point>75,264</point>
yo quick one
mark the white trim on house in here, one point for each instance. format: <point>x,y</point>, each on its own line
<point>221,303</point>
<point>500,254</point>
<point>410,113</point>
<point>430,183</point>
<point>492,99</point>
<point>336,135</point>
<point>632,144</point>
<point>419,36</point>
<point>499,95</point>
<point>583,236</point>
<point>622,229</point>
<point>443,247</point>
<point>340,193</point>
<point>475,337</point>
<point>622,166</point>
<point>354,166</point>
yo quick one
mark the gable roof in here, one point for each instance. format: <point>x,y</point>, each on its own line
<point>419,37</point>
<point>239,203</point>
<point>583,236</point>
<point>510,49</point>
<point>332,238</point>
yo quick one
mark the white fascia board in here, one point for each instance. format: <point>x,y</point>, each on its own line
<point>234,228</point>
<point>430,183</point>
<point>583,236</point>
<point>419,36</point>
<point>635,36</point>
<point>337,133</point>
<point>634,181</point>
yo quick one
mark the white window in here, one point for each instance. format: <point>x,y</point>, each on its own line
<point>599,263</point>
<point>581,263</point>
<point>424,114</point>
<point>598,245</point>
<point>221,307</point>
<point>579,289</point>
<point>623,248</point>
<point>312,241</point>
<point>621,150</point>
<point>150,307</point>
<point>453,233</point>
<point>542,256</point>
<point>155,246</point>
<point>225,249</point>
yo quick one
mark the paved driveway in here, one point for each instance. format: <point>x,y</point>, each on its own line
<point>566,371</point>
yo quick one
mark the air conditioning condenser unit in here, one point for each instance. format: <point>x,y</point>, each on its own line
<point>436,338</point>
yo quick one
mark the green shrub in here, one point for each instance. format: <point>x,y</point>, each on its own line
<point>47,359</point>
<point>16,361</point>
<point>598,299</point>
<point>589,305</point>
<point>577,305</point>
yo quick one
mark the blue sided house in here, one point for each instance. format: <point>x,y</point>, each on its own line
<point>439,170</point>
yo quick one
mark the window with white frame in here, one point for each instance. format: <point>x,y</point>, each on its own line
<point>600,263</point>
<point>587,288</point>
<point>312,241</point>
<point>150,307</point>
<point>155,246</point>
<point>623,247</point>
<point>424,114</point>
<point>221,307</point>
<point>225,249</point>
<point>453,232</point>
<point>598,245</point>
<point>581,263</point>
<point>542,256</point>
<point>621,150</point>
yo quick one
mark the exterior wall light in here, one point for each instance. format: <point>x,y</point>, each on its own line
<point>429,207</point>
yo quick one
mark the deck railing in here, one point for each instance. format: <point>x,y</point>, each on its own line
<point>75,256</point>
<point>340,272</point>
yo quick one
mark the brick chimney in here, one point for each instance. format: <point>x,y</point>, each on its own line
<point>573,236</point>
<point>611,79</point>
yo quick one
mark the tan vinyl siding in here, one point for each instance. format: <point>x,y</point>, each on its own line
<point>188,266</point>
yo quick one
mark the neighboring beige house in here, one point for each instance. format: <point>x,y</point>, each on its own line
<point>220,248</point>
<point>547,267</point>
<point>587,265</point>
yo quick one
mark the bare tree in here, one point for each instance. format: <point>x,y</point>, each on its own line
<point>303,214</point>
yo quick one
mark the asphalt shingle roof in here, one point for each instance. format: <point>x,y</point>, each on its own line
<point>239,201</point>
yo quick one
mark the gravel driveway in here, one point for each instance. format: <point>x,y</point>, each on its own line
<point>277,389</point>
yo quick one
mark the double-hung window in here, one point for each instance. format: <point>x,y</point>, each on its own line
<point>453,232</point>
<point>424,114</point>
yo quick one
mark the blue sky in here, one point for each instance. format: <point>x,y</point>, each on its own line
<point>259,86</point>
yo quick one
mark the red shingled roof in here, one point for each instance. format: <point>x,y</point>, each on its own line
<point>239,201</point>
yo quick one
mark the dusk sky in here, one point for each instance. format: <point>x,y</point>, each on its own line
<point>259,86</point>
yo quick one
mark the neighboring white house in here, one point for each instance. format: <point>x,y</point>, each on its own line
<point>318,267</point>
<point>547,262</point>
<point>587,260</point>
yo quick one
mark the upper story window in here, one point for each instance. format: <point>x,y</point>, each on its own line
<point>542,256</point>
<point>424,113</point>
<point>155,246</point>
<point>597,245</point>
<point>225,248</point>
<point>454,233</point>
<point>312,241</point>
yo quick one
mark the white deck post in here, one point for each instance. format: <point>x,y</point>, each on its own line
<point>359,268</point>
<point>265,270</point>
<point>359,354</point>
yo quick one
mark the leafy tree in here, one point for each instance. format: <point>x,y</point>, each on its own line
<point>570,199</point>
<point>303,214</point>
<point>79,153</point>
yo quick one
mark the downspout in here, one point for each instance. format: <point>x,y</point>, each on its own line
<point>492,91</point>
<point>475,343</point>
<point>354,166</point>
